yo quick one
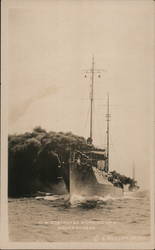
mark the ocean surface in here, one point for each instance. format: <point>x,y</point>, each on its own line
<point>83,219</point>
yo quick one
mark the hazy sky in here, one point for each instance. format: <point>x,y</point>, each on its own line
<point>49,47</point>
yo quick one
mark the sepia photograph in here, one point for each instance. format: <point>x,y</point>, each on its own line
<point>78,124</point>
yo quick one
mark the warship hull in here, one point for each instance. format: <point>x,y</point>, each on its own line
<point>92,182</point>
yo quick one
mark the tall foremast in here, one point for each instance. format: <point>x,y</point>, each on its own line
<point>93,71</point>
<point>91,101</point>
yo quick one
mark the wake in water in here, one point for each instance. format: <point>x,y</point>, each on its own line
<point>90,201</point>
<point>84,201</point>
<point>74,200</point>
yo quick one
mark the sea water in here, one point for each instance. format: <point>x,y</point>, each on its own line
<point>81,218</point>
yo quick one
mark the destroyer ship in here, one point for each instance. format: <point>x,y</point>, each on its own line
<point>84,170</point>
<point>88,172</point>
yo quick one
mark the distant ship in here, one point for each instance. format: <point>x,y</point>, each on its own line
<point>133,186</point>
<point>89,169</point>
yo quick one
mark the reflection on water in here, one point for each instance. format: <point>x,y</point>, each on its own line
<point>80,218</point>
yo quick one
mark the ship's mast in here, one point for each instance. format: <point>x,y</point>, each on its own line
<point>107,132</point>
<point>91,101</point>
<point>92,71</point>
